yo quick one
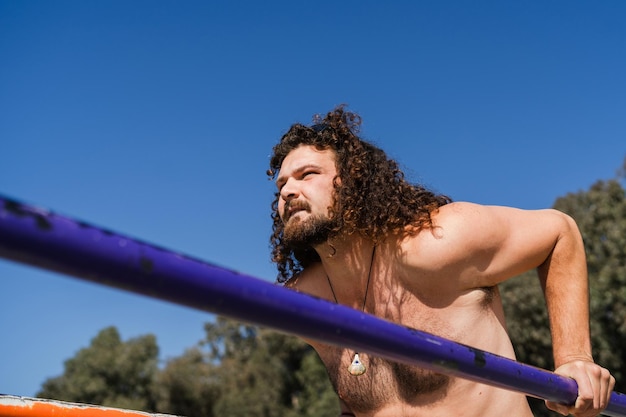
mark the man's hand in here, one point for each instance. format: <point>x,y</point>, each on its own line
<point>595,385</point>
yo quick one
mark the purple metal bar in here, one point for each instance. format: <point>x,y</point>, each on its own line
<point>44,239</point>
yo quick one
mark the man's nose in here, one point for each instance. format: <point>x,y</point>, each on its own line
<point>289,191</point>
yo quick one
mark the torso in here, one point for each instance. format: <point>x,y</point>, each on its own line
<point>473,317</point>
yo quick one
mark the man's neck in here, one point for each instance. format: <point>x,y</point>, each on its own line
<point>347,263</point>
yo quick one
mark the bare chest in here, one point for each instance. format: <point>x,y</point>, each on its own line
<point>387,382</point>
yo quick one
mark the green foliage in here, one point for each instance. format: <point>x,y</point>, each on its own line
<point>109,372</point>
<point>187,386</point>
<point>238,370</point>
<point>316,397</point>
<point>263,373</point>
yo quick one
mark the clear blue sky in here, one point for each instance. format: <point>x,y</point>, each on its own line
<point>156,118</point>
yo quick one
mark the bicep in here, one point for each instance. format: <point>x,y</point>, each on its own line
<point>489,244</point>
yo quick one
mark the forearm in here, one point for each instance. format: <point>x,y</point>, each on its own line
<point>564,280</point>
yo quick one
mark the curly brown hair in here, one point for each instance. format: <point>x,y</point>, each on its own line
<point>372,197</point>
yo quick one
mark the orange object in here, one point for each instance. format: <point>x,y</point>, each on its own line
<point>14,406</point>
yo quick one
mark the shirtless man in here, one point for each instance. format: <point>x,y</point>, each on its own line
<point>349,228</point>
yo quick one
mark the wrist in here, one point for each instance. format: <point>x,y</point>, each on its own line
<point>578,358</point>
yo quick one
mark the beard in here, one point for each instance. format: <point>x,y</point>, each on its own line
<point>304,234</point>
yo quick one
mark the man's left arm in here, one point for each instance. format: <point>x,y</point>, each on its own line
<point>564,280</point>
<point>503,242</point>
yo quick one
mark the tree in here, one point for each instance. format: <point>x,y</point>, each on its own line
<point>109,372</point>
<point>238,370</point>
<point>187,386</point>
<point>264,373</point>
<point>316,397</point>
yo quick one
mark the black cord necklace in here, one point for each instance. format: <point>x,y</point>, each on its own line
<point>357,368</point>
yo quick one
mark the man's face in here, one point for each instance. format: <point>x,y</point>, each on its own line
<point>305,184</point>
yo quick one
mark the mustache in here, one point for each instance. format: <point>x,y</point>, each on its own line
<point>293,206</point>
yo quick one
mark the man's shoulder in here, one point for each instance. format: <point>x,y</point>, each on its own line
<point>432,249</point>
<point>446,215</point>
<point>457,209</point>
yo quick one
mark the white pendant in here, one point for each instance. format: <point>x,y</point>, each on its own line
<point>356,368</point>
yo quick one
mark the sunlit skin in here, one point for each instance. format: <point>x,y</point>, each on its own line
<point>305,177</point>
<point>435,280</point>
